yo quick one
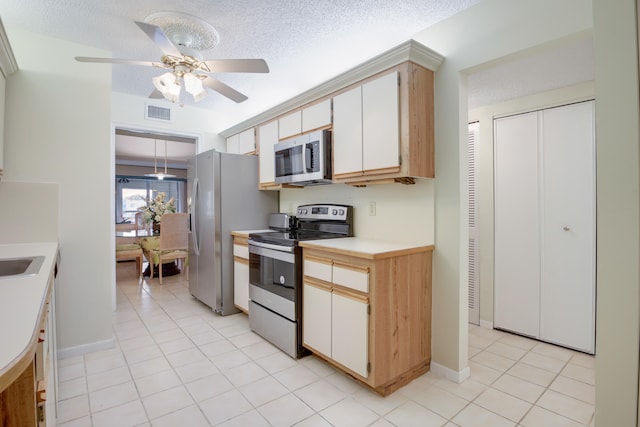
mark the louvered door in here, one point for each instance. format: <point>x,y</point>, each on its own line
<point>474,283</point>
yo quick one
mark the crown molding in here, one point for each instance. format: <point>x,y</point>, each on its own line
<point>410,50</point>
<point>8,63</point>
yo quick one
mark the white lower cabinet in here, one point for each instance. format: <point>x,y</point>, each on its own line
<point>336,324</point>
<point>350,331</point>
<point>368,313</point>
<point>316,317</point>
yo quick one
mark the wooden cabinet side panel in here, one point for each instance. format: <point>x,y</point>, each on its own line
<point>18,401</point>
<point>401,316</point>
<point>417,127</point>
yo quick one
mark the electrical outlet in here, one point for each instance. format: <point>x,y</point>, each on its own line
<point>372,208</point>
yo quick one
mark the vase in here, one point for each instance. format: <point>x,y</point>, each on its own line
<point>156,227</point>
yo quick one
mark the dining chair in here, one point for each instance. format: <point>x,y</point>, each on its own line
<point>139,222</point>
<point>174,242</point>
<point>130,251</point>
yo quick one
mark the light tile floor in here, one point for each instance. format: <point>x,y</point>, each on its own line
<point>176,363</point>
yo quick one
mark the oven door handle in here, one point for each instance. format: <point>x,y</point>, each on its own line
<point>282,253</point>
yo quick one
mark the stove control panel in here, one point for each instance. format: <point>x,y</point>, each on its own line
<point>327,212</point>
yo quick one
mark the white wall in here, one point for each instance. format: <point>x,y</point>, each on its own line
<point>484,173</point>
<point>21,219</point>
<point>484,33</point>
<point>618,230</point>
<point>3,83</point>
<point>128,111</point>
<point>404,213</point>
<point>57,130</point>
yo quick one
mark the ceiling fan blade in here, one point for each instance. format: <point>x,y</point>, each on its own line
<point>156,94</point>
<point>120,61</point>
<point>237,65</point>
<point>225,90</point>
<point>158,36</point>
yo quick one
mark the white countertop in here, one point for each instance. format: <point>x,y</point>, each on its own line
<point>366,248</point>
<point>245,233</point>
<point>21,300</point>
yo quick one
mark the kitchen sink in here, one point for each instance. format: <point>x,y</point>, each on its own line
<point>20,267</point>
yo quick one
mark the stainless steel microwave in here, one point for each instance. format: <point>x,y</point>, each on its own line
<point>304,159</point>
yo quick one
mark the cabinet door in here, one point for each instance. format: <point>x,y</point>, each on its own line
<point>268,137</point>
<point>241,283</point>
<point>233,144</point>
<point>316,116</point>
<point>347,132</point>
<point>290,125</point>
<point>316,318</point>
<point>381,124</point>
<point>567,293</point>
<point>517,242</point>
<point>350,332</point>
<point>247,141</point>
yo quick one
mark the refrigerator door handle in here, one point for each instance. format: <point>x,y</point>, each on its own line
<point>194,217</point>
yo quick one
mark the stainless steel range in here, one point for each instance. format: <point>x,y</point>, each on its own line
<point>275,272</point>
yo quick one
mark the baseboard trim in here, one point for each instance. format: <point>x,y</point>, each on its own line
<point>450,374</point>
<point>80,350</point>
<point>486,324</point>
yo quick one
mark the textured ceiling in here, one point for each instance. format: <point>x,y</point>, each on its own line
<point>304,43</point>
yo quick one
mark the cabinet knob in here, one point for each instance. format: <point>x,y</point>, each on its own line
<point>566,228</point>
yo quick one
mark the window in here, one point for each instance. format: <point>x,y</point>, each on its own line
<point>133,192</point>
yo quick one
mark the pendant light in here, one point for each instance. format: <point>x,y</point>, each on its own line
<point>156,174</point>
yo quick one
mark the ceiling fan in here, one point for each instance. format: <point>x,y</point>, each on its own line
<point>185,64</point>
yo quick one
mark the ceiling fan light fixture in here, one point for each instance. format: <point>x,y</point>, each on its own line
<point>194,86</point>
<point>169,85</point>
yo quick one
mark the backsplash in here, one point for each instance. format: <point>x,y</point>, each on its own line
<point>403,213</point>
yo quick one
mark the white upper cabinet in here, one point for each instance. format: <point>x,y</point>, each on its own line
<point>306,119</point>
<point>233,144</point>
<point>383,128</point>
<point>267,138</point>
<point>247,142</point>
<point>242,143</point>
<point>316,116</point>
<point>290,125</point>
<point>366,128</point>
<point>347,133</point>
<point>380,124</point>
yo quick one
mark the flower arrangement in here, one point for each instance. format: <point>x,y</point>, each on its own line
<point>157,207</point>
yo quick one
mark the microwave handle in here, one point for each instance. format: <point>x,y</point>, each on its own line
<point>308,157</point>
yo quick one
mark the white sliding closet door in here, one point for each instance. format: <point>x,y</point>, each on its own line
<point>567,295</point>
<point>545,225</point>
<point>517,241</point>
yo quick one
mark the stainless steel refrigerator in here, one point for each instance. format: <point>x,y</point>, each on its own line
<point>222,196</point>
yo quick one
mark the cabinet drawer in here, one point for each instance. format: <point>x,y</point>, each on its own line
<point>351,276</point>
<point>318,268</point>
<point>241,251</point>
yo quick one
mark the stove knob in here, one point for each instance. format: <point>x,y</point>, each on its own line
<point>334,212</point>
<point>341,211</point>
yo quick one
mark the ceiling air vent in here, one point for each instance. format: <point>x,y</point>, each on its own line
<point>157,113</point>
